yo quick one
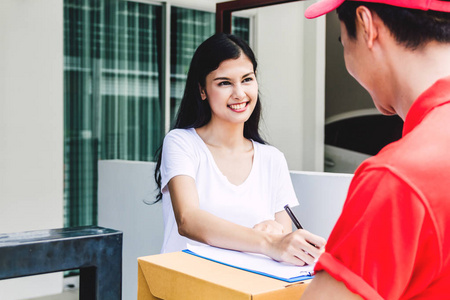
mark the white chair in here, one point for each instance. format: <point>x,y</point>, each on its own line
<point>321,196</point>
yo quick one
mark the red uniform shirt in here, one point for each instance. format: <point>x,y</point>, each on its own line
<point>392,240</point>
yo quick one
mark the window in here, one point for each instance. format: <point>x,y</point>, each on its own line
<point>112,86</point>
<point>352,137</point>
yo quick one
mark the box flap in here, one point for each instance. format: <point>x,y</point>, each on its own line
<point>143,288</point>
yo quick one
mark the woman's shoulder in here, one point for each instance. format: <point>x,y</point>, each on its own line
<point>181,138</point>
<point>268,151</point>
<point>181,133</point>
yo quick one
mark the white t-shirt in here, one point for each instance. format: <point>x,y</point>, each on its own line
<point>266,191</point>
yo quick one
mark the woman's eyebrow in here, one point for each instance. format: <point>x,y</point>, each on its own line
<point>226,78</point>
<point>221,78</point>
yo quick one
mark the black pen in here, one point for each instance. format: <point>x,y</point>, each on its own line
<point>292,216</point>
<point>295,220</point>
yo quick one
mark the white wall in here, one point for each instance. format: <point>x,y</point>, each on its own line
<point>123,189</point>
<point>207,5</point>
<point>31,127</point>
<point>290,51</point>
<point>343,92</point>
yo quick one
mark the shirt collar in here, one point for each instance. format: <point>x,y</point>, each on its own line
<point>438,94</point>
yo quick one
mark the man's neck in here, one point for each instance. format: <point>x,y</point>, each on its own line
<point>415,71</point>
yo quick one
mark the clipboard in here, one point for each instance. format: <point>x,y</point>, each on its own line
<point>255,263</point>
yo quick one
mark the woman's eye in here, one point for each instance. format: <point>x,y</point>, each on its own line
<point>224,83</point>
<point>248,79</point>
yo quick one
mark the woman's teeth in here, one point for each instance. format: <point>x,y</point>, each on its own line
<point>238,106</point>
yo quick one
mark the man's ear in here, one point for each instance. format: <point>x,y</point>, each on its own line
<point>202,92</point>
<point>366,21</point>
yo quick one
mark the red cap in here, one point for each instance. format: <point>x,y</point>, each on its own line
<point>325,6</point>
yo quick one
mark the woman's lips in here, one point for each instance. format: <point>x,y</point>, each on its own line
<point>238,106</point>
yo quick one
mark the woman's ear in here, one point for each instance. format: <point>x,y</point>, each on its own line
<point>202,92</point>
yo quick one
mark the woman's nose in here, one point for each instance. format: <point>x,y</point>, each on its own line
<point>238,92</point>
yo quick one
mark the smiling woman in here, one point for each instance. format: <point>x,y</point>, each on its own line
<point>231,91</point>
<point>220,183</point>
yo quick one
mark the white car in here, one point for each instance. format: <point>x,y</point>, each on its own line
<point>352,137</point>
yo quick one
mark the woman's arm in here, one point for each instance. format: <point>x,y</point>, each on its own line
<point>199,225</point>
<point>281,224</point>
<point>283,218</point>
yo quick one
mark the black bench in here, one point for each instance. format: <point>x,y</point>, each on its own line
<point>95,251</point>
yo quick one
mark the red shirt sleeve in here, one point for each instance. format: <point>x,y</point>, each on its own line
<point>376,244</point>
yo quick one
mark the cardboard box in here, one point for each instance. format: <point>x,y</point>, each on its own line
<point>180,275</point>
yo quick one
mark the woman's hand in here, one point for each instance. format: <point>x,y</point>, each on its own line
<point>299,247</point>
<point>270,226</point>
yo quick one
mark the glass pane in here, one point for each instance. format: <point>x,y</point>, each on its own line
<point>112,62</point>
<point>364,133</point>
<point>189,28</point>
<point>241,27</point>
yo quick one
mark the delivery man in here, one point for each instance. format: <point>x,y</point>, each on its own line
<point>392,240</point>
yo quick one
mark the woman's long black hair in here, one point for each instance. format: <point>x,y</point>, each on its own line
<point>193,111</point>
